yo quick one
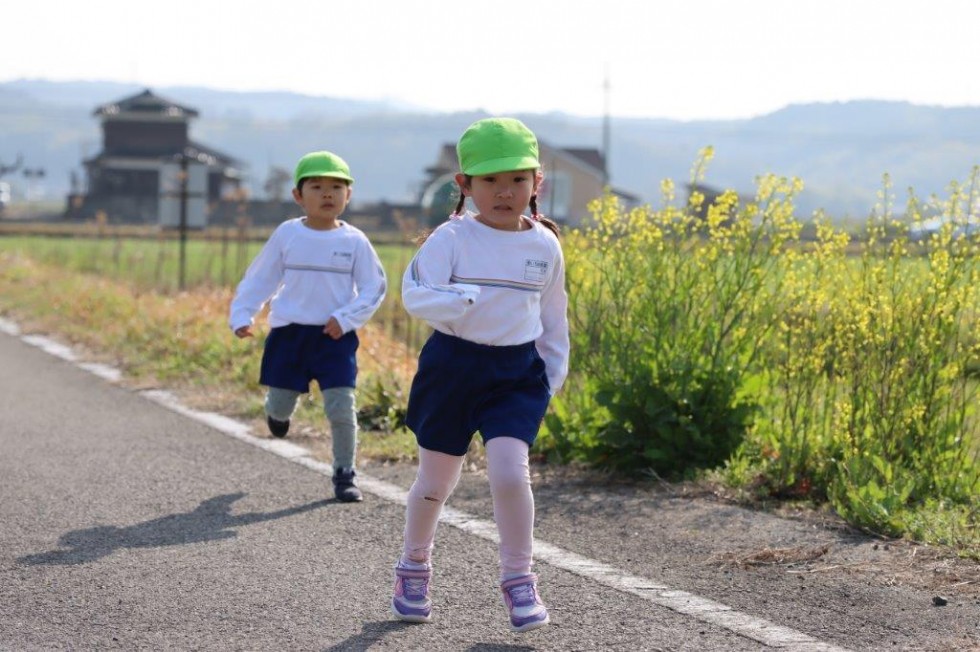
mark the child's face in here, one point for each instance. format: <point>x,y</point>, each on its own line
<point>503,196</point>
<point>323,198</point>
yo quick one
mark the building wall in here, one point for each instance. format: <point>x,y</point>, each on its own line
<point>575,183</point>
<point>132,138</point>
<point>586,189</point>
<point>104,182</point>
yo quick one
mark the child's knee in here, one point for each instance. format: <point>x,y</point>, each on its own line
<point>507,464</point>
<point>509,478</point>
<point>432,490</point>
<point>280,403</point>
<point>338,405</point>
<point>437,476</point>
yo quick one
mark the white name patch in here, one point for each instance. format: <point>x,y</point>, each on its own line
<point>535,270</point>
<point>342,259</point>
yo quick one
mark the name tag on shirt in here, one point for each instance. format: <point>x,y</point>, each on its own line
<point>535,270</point>
<point>342,259</point>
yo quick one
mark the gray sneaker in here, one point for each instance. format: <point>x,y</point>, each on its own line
<point>345,487</point>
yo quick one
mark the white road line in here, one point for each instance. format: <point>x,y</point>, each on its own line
<point>9,327</point>
<point>696,607</point>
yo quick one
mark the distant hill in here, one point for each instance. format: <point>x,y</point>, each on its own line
<point>840,150</point>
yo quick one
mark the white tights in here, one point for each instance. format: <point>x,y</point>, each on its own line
<point>513,502</point>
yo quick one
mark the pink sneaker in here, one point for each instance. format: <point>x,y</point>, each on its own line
<point>411,600</point>
<point>521,598</point>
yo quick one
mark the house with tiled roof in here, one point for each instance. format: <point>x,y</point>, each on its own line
<point>145,140</point>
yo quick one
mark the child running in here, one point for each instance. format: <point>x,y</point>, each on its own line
<point>322,279</point>
<point>492,285</point>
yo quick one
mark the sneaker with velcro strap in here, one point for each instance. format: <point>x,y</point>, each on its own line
<point>524,606</point>
<point>410,602</point>
<point>345,486</point>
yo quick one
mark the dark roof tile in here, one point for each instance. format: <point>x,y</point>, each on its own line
<point>146,102</point>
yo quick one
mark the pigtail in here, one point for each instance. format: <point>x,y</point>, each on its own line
<point>459,206</point>
<point>551,225</point>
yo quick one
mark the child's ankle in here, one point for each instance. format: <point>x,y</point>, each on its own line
<point>412,564</point>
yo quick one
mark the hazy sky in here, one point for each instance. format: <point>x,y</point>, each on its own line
<point>686,59</point>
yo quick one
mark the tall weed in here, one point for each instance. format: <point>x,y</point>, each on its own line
<point>669,310</point>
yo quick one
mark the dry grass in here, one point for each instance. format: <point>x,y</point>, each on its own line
<point>771,556</point>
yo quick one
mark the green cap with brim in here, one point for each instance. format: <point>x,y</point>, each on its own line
<point>495,145</point>
<point>322,164</point>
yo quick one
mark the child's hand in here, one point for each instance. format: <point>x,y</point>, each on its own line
<point>333,329</point>
<point>243,332</point>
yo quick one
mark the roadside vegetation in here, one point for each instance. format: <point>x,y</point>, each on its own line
<point>180,339</point>
<point>833,369</point>
<point>789,359</point>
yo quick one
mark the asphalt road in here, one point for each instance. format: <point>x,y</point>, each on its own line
<point>125,524</point>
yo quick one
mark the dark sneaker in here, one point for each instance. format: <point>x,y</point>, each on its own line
<point>345,487</point>
<point>276,427</point>
<point>523,604</point>
<point>411,600</point>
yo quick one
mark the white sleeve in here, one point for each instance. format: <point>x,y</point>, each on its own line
<point>370,285</point>
<point>426,288</point>
<point>261,280</point>
<point>553,345</point>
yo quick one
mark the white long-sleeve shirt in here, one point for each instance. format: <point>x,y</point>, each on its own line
<point>493,287</point>
<point>311,276</point>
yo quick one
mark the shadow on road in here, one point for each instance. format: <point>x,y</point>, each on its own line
<point>371,634</point>
<point>212,520</point>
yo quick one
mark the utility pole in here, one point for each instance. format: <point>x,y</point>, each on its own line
<point>182,191</point>
<point>183,221</point>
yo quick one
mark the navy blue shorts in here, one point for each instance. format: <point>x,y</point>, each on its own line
<point>462,387</point>
<point>295,354</point>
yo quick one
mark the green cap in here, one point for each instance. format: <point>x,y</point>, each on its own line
<point>496,145</point>
<point>322,164</point>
